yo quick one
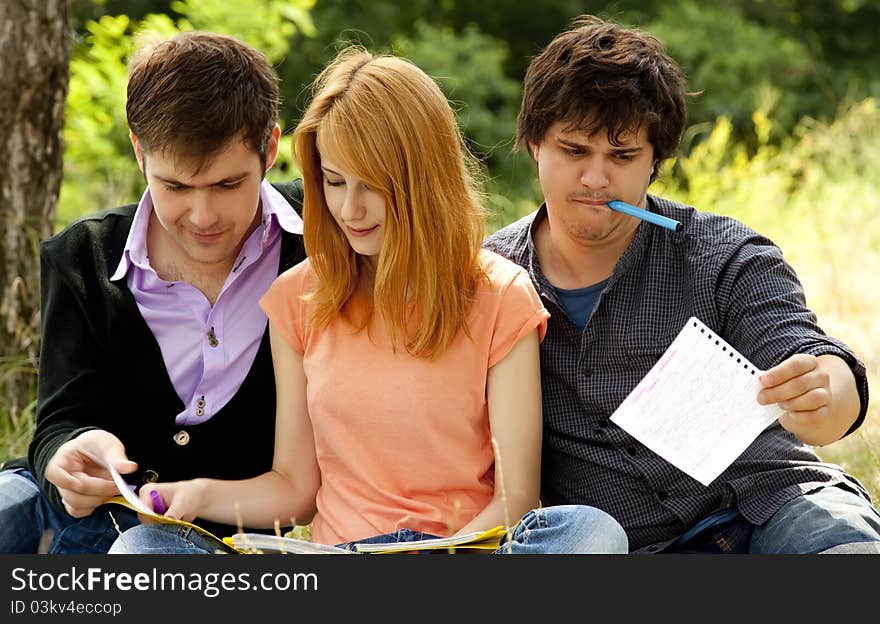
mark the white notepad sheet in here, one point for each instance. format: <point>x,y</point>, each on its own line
<point>697,407</point>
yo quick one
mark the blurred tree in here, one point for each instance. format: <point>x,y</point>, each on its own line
<point>370,23</point>
<point>469,67</point>
<point>841,36</point>
<point>34,56</point>
<point>758,67</point>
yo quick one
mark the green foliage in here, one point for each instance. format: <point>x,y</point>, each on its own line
<point>266,24</point>
<point>469,66</point>
<point>15,434</point>
<point>98,165</point>
<point>735,64</point>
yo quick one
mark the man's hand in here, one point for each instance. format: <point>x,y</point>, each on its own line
<point>818,394</point>
<point>78,471</point>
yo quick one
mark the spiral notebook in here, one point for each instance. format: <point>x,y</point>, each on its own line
<point>697,407</point>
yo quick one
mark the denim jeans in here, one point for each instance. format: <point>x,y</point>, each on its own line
<point>26,515</point>
<point>564,529</point>
<point>166,539</point>
<point>829,520</point>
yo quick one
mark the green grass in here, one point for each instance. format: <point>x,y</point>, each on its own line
<point>15,435</point>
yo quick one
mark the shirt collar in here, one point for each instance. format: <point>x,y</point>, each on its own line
<point>629,258</point>
<point>135,250</point>
<point>532,264</point>
<point>276,211</point>
<point>274,205</point>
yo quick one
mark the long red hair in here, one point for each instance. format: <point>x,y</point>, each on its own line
<point>389,123</point>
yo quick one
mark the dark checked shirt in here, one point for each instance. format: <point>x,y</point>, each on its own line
<point>734,280</point>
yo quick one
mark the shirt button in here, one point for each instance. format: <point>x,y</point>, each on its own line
<point>212,338</point>
<point>182,438</point>
<point>200,402</point>
<point>200,411</point>
<point>662,495</point>
<point>631,450</point>
<point>150,476</point>
<point>603,424</point>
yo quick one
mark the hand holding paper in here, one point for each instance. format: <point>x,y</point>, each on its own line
<point>137,504</point>
<point>697,407</point>
<point>818,394</point>
<point>79,470</point>
<point>130,500</point>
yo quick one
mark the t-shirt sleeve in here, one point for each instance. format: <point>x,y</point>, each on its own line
<point>284,306</point>
<point>519,312</point>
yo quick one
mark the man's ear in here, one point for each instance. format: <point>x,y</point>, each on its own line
<point>533,150</point>
<point>272,148</point>
<point>138,154</point>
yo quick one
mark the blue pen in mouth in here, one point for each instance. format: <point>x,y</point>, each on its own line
<point>645,215</point>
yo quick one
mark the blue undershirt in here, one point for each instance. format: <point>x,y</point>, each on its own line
<point>580,302</point>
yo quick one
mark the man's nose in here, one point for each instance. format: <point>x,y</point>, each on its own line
<point>201,212</point>
<point>594,174</point>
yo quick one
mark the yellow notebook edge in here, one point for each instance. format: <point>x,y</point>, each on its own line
<point>119,500</point>
<point>490,539</point>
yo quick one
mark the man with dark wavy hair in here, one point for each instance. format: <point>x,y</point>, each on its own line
<point>155,353</point>
<point>603,106</point>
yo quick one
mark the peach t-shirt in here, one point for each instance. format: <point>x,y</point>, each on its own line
<point>403,442</point>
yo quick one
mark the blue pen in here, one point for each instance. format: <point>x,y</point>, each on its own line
<point>645,215</point>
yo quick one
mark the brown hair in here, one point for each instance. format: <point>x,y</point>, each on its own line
<point>392,126</point>
<point>599,75</point>
<point>190,95</point>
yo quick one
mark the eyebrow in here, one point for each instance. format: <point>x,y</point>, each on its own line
<point>238,177</point>
<point>623,149</point>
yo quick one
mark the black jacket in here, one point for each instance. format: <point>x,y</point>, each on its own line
<point>101,368</point>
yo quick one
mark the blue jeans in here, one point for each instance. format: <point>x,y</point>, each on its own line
<point>829,520</point>
<point>26,516</point>
<point>564,529</point>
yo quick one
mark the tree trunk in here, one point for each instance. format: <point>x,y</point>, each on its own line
<point>34,70</point>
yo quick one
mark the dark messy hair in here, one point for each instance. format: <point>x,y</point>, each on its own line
<point>598,75</point>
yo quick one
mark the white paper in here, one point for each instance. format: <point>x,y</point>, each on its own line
<point>697,407</point>
<point>289,545</point>
<point>127,493</point>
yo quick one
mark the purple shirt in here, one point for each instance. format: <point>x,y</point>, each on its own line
<point>208,351</point>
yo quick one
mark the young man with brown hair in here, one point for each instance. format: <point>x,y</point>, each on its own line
<point>155,353</point>
<point>602,107</point>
